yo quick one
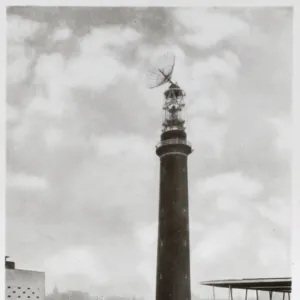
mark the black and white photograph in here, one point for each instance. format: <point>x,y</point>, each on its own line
<point>148,153</point>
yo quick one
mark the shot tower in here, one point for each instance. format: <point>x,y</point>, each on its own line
<point>173,252</point>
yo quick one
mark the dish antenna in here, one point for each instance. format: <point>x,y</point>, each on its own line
<point>160,74</point>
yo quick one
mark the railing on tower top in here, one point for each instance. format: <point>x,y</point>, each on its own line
<point>173,141</point>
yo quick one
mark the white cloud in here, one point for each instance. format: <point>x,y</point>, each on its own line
<point>51,98</point>
<point>148,269</point>
<point>54,100</point>
<point>12,114</point>
<point>18,63</point>
<point>121,145</point>
<point>232,192</point>
<point>18,29</point>
<point>207,134</point>
<point>61,34</point>
<point>49,106</point>
<point>208,27</point>
<point>154,55</point>
<point>99,38</point>
<point>217,243</point>
<point>130,151</point>
<point>55,78</point>
<point>93,72</point>
<point>26,182</point>
<point>231,183</point>
<point>278,211</point>
<point>50,67</point>
<point>284,129</point>
<point>209,83</point>
<point>30,121</point>
<point>94,68</point>
<point>217,101</point>
<point>273,252</point>
<point>20,132</point>
<point>216,66</point>
<point>19,55</point>
<point>76,260</point>
<point>224,66</point>
<point>147,236</point>
<point>147,239</point>
<point>53,137</point>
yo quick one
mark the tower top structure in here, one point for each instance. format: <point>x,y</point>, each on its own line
<point>174,103</point>
<point>173,106</point>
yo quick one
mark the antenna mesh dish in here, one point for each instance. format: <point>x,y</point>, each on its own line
<point>161,72</point>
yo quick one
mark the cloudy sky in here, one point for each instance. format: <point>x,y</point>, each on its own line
<point>82,174</point>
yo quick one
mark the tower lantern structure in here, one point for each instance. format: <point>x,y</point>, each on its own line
<point>173,249</point>
<point>173,107</point>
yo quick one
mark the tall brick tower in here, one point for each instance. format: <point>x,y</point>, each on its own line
<point>173,252</point>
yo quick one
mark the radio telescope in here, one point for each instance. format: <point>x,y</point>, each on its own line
<point>161,72</point>
<point>173,106</point>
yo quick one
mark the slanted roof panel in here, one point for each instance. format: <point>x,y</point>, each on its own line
<point>261,284</point>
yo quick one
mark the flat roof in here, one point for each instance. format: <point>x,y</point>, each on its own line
<point>281,285</point>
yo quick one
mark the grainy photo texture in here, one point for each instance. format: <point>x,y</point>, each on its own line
<point>148,153</point>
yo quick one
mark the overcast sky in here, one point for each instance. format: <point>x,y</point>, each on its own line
<point>82,174</point>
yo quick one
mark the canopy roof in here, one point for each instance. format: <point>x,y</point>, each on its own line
<point>281,285</point>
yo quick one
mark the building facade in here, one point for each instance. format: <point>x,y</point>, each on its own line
<point>23,284</point>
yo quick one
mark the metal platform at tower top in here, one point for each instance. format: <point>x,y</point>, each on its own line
<point>280,285</point>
